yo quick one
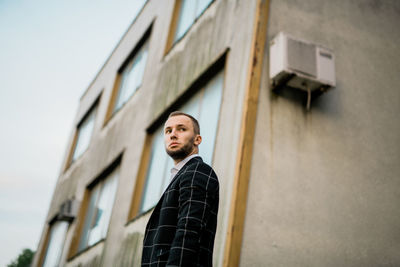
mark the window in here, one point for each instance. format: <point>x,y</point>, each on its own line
<point>84,134</point>
<point>190,10</point>
<point>55,244</point>
<point>98,211</point>
<point>204,106</point>
<point>131,77</point>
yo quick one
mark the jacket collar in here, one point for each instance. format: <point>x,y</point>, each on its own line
<point>191,161</point>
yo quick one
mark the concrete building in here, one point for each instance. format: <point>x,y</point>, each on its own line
<point>317,187</point>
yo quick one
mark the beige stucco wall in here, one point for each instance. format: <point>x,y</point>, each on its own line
<point>324,185</point>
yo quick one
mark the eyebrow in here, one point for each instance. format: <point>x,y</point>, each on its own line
<point>179,125</point>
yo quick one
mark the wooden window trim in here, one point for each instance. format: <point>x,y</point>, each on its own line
<point>72,150</point>
<point>113,98</point>
<point>44,246</point>
<point>245,150</point>
<point>141,179</point>
<point>73,249</point>
<point>173,25</point>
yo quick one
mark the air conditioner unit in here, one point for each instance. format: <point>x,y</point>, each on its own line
<point>68,210</point>
<point>300,64</point>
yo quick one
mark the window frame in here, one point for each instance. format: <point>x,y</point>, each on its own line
<point>98,189</point>
<point>112,169</point>
<point>176,14</point>
<point>93,108</point>
<point>144,41</point>
<point>49,233</point>
<point>141,178</point>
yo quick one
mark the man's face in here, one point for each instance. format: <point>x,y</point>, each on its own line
<point>179,137</point>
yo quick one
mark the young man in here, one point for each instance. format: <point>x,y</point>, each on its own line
<point>181,229</point>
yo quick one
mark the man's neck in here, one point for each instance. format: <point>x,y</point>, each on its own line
<point>181,163</point>
<point>176,161</point>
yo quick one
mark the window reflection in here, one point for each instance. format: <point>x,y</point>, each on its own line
<point>99,211</point>
<point>190,11</point>
<point>84,134</point>
<point>204,106</point>
<point>131,77</point>
<point>56,244</point>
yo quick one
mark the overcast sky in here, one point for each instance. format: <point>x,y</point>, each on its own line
<point>49,53</point>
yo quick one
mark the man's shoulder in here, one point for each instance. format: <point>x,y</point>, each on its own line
<point>198,166</point>
<point>196,163</point>
<point>199,174</point>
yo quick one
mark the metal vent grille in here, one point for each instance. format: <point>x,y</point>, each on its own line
<point>302,57</point>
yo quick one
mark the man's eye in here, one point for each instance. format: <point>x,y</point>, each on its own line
<point>167,131</point>
<point>182,129</point>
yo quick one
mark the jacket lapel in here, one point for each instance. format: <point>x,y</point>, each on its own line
<point>193,160</point>
<point>182,170</point>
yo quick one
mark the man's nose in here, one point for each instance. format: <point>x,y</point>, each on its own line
<point>173,134</point>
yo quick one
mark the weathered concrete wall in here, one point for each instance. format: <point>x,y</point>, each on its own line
<point>224,29</point>
<point>324,186</point>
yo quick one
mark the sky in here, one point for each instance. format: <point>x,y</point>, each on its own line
<point>50,51</point>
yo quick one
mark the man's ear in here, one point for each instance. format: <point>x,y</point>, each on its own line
<point>197,140</point>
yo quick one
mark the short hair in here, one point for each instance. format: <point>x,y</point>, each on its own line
<point>196,126</point>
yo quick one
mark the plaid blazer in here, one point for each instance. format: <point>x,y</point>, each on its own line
<point>181,229</point>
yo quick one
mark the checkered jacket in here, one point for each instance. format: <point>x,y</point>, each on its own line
<point>181,229</point>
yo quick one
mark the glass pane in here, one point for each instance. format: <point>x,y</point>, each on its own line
<point>209,116</point>
<point>104,205</point>
<point>90,213</point>
<point>204,106</point>
<point>167,177</point>
<point>123,89</point>
<point>107,199</point>
<point>56,244</point>
<point>84,134</point>
<point>132,77</point>
<point>186,18</point>
<point>201,6</point>
<point>141,64</point>
<point>192,107</point>
<point>157,173</point>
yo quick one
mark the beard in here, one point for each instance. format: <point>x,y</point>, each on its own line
<point>183,152</point>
